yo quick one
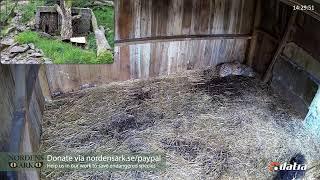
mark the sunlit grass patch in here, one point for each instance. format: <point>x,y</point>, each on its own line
<point>63,53</point>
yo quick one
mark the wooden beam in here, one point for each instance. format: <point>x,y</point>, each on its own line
<point>20,104</point>
<point>253,42</point>
<point>181,38</point>
<point>290,25</point>
<point>315,13</point>
<point>31,78</point>
<point>19,115</point>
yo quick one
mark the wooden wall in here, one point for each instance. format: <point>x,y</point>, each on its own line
<point>6,105</point>
<point>67,78</point>
<point>167,36</point>
<point>186,34</point>
<point>154,18</point>
<point>274,17</point>
<point>296,69</point>
<point>34,109</point>
<point>31,128</point>
<point>164,58</point>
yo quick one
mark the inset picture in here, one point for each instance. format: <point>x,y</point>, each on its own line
<point>57,32</point>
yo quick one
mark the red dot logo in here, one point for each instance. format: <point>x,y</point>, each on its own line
<point>274,166</point>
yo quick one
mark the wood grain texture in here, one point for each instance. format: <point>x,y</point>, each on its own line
<point>182,38</point>
<point>34,110</point>
<point>170,35</point>
<point>147,60</point>
<point>164,58</point>
<point>152,18</point>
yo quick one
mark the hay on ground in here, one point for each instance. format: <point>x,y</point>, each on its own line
<point>208,127</point>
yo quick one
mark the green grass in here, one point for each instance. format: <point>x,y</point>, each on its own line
<point>105,18</point>
<point>92,42</point>
<point>6,9</point>
<point>4,31</point>
<point>28,11</point>
<point>63,53</point>
<point>104,15</point>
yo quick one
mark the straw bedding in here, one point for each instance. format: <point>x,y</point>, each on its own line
<point>208,127</point>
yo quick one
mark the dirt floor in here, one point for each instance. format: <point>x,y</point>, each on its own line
<point>209,128</point>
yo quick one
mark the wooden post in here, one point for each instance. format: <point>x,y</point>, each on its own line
<point>17,126</point>
<point>283,42</point>
<point>32,76</point>
<point>20,108</point>
<point>253,42</point>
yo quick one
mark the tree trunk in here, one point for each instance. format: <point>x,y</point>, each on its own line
<point>64,11</point>
<point>66,25</point>
<point>101,40</point>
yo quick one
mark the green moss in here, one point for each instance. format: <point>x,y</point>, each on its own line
<point>63,53</point>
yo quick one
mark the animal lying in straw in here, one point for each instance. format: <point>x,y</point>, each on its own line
<point>235,69</point>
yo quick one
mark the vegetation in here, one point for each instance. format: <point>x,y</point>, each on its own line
<point>28,10</point>
<point>105,17</point>
<point>64,53</point>
<point>61,52</point>
<point>6,8</point>
<point>102,57</point>
<point>75,3</point>
<point>92,42</point>
<point>4,31</point>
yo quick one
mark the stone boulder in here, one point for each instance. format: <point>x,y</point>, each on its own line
<point>5,43</point>
<point>36,55</point>
<point>19,49</point>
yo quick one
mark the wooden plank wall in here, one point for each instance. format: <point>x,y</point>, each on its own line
<point>164,58</point>
<point>274,18</point>
<point>6,105</point>
<point>295,73</point>
<point>157,19</point>
<point>33,111</point>
<point>185,19</point>
<point>146,60</point>
<point>67,78</point>
<point>154,18</point>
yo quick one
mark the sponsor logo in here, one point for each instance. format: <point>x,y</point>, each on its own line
<point>13,165</point>
<point>25,165</point>
<point>276,166</point>
<point>25,161</point>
